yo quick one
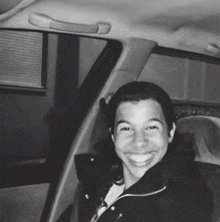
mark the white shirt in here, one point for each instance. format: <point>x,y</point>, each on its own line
<point>114,192</point>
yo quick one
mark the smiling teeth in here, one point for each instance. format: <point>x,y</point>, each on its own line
<point>139,158</point>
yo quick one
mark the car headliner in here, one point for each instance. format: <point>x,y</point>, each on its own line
<point>191,25</point>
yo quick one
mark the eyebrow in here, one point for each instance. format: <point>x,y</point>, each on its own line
<point>157,120</point>
<point>122,121</point>
<point>150,120</point>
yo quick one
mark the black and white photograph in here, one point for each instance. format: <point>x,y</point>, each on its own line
<point>109,111</point>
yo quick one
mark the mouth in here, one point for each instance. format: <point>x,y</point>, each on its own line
<point>141,159</point>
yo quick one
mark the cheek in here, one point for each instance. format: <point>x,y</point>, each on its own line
<point>119,149</point>
<point>160,142</point>
<point>163,146</point>
<point>123,138</point>
<point>119,144</point>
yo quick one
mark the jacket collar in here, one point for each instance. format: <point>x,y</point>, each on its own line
<point>171,168</point>
<point>151,182</point>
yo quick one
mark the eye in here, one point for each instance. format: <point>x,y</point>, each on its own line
<point>153,127</point>
<point>125,129</point>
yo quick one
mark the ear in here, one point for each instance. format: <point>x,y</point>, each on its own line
<point>112,135</point>
<point>171,133</point>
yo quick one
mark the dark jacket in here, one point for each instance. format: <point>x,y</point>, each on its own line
<point>171,191</point>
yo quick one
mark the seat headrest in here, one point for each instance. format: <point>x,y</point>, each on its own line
<point>206,135</point>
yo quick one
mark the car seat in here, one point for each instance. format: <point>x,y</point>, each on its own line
<point>205,131</point>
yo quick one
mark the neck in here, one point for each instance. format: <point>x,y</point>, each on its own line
<point>129,179</point>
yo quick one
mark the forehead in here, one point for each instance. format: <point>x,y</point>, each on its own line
<point>139,110</point>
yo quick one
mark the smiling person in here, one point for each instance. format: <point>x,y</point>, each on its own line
<point>149,182</point>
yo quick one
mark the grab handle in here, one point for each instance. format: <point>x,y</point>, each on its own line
<point>45,21</point>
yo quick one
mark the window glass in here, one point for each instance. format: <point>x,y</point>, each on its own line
<point>21,58</point>
<point>38,126</point>
<point>35,125</point>
<point>184,75</point>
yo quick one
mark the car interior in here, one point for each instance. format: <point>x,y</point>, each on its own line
<point>61,58</point>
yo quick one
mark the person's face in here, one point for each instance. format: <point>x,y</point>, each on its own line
<point>140,136</point>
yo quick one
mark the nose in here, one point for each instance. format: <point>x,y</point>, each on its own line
<point>139,140</point>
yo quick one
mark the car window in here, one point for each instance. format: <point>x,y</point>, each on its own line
<point>42,80</point>
<point>186,76</point>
